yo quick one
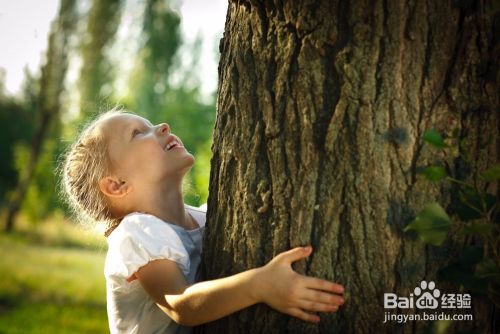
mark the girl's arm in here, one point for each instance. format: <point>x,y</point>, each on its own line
<point>275,284</point>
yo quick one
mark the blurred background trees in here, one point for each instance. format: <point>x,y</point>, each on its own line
<point>96,74</point>
<point>141,55</point>
<point>45,117</point>
<point>35,159</point>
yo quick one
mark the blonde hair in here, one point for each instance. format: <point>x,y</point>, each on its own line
<point>84,164</point>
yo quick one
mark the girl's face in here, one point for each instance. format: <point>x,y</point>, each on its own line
<point>142,153</point>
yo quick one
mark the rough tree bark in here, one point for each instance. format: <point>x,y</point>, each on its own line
<point>318,139</point>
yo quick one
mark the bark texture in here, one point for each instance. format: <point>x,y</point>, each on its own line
<point>318,139</point>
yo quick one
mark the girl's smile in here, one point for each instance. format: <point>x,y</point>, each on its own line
<point>173,142</point>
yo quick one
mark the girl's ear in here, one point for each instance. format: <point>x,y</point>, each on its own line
<point>113,187</point>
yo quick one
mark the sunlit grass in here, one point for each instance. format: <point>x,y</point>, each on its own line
<point>58,231</point>
<point>52,280</point>
<point>38,318</point>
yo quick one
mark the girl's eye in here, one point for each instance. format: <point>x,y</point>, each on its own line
<point>135,133</point>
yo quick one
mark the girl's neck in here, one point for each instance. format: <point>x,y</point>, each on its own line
<point>168,205</point>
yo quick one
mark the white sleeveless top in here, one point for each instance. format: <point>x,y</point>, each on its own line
<point>139,239</point>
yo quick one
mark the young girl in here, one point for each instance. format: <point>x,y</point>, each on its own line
<point>127,172</point>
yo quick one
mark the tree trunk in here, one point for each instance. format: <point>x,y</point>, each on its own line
<point>322,107</point>
<point>48,104</point>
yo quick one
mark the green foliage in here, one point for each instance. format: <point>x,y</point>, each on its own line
<point>202,170</point>
<point>41,197</point>
<point>477,213</point>
<point>473,204</point>
<point>487,268</point>
<point>431,224</point>
<point>43,99</point>
<point>434,173</point>
<point>434,138</point>
<point>462,271</point>
<point>474,228</point>
<point>19,121</point>
<point>491,174</point>
<point>193,122</point>
<point>19,130</point>
<point>155,98</point>
<point>161,41</point>
<point>189,118</point>
<point>152,95</point>
<point>97,72</point>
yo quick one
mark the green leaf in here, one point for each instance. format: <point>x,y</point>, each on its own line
<point>477,200</point>
<point>463,275</point>
<point>465,212</point>
<point>477,229</point>
<point>487,268</point>
<point>490,200</point>
<point>431,224</point>
<point>434,138</point>
<point>434,173</point>
<point>492,173</point>
<point>461,271</point>
<point>470,205</point>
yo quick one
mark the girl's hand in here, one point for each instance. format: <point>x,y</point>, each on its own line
<point>280,287</point>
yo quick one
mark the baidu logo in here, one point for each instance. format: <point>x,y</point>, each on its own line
<point>427,296</point>
<point>422,303</point>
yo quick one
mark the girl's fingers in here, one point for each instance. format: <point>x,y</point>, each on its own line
<point>320,284</point>
<point>322,297</point>
<point>295,254</point>
<point>312,306</point>
<point>302,315</point>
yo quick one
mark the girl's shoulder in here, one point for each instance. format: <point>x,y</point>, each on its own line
<point>198,213</point>
<point>142,228</point>
<point>139,239</point>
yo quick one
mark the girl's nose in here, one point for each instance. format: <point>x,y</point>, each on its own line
<point>163,129</point>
